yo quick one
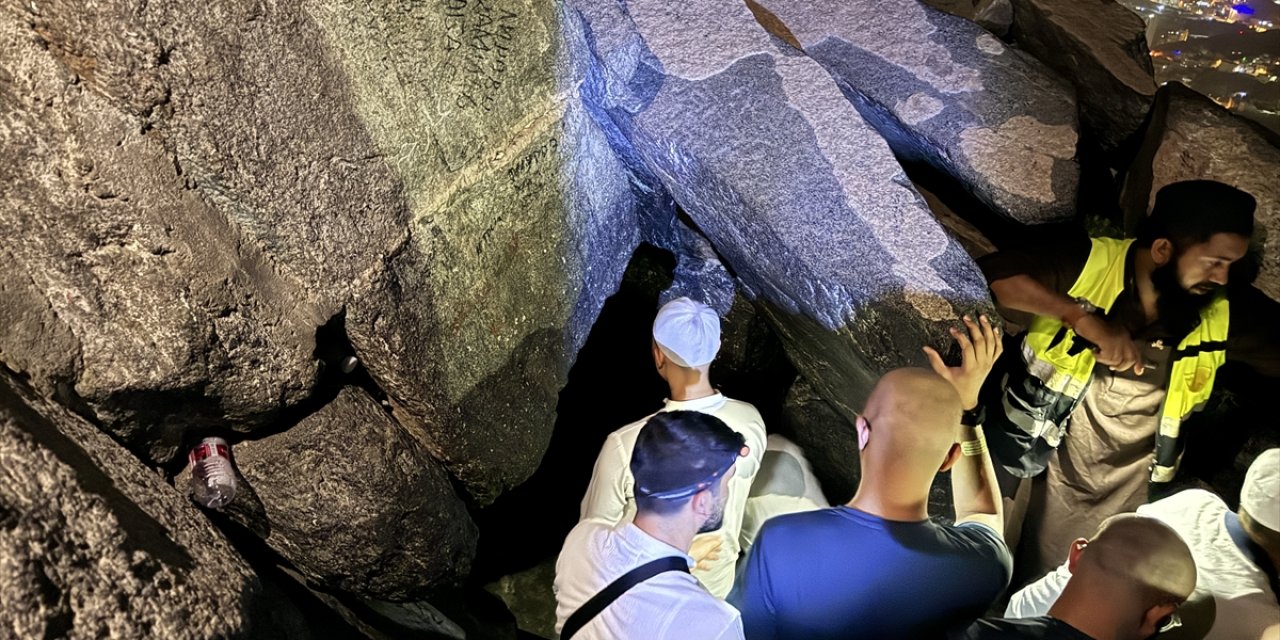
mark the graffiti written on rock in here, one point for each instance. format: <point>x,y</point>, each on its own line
<point>521,172</point>
<point>478,41</point>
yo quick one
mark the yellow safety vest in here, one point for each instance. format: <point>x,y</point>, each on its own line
<point>1195,362</point>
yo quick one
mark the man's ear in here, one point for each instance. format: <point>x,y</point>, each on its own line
<point>1073,554</point>
<point>1152,617</point>
<point>703,503</point>
<point>953,456</point>
<point>659,358</point>
<point>1161,251</point>
<point>864,432</point>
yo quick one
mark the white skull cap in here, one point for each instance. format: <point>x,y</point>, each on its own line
<point>688,332</point>
<point>1260,496</point>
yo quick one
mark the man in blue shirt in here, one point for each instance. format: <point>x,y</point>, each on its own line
<point>878,567</point>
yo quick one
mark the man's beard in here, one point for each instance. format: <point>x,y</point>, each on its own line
<point>1179,309</point>
<point>716,519</point>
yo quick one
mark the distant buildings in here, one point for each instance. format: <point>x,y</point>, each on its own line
<point>1228,50</point>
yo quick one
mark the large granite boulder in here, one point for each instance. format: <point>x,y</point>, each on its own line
<point>801,198</point>
<point>963,8</point>
<point>200,186</point>
<point>379,519</point>
<point>828,439</point>
<point>95,545</point>
<point>520,223</point>
<point>1101,47</point>
<point>1192,138</point>
<point>942,90</point>
<point>130,293</point>
<point>995,16</point>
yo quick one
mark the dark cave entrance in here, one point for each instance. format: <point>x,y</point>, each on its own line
<point>613,383</point>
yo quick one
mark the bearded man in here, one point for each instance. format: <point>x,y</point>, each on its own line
<point>1123,343</point>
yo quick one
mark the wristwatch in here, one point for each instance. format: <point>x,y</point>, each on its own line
<point>974,417</point>
<point>1086,308</point>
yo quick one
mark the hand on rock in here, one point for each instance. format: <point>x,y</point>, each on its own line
<point>979,351</point>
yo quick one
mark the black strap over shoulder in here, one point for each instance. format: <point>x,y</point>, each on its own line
<point>598,602</point>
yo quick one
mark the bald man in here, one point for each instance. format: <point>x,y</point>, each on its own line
<point>1127,583</point>
<point>1236,554</point>
<point>878,567</point>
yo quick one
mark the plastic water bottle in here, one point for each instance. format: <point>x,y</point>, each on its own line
<point>213,481</point>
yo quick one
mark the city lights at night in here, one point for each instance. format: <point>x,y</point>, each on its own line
<point>1228,50</point>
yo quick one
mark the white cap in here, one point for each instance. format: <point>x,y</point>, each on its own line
<point>1260,496</point>
<point>688,332</point>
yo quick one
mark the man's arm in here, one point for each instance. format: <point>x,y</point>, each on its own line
<point>1024,293</point>
<point>606,497</point>
<point>973,477</point>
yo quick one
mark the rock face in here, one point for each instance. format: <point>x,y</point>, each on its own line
<point>201,186</point>
<point>1193,138</point>
<point>995,16</point>
<point>829,441</point>
<point>93,545</point>
<point>1101,47</point>
<point>512,248</point>
<point>378,520</point>
<point>939,89</point>
<point>130,290</point>
<point>800,197</point>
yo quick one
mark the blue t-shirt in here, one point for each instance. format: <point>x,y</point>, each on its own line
<point>843,573</point>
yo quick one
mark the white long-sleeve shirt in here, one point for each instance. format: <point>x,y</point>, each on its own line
<point>611,496</point>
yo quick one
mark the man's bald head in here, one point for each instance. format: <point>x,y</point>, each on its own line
<point>913,411</point>
<point>1138,555</point>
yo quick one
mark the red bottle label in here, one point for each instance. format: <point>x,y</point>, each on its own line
<point>204,450</point>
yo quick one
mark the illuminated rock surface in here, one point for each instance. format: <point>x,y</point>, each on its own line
<point>939,88</point>
<point>1101,48</point>
<point>828,235</point>
<point>212,206</point>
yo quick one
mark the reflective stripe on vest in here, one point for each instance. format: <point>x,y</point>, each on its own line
<point>1045,348</point>
<point>1194,364</point>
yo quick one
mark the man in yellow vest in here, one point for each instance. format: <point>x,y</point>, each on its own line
<point>1124,339</point>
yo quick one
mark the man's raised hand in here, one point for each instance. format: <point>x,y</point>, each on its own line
<point>978,353</point>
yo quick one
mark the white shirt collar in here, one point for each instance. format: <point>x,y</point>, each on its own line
<point>705,405</point>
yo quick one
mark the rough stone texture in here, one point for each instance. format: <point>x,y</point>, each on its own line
<point>963,8</point>
<point>827,438</point>
<point>975,243</point>
<point>1192,138</point>
<point>942,90</point>
<point>377,520</point>
<point>1101,47</point>
<point>94,545</point>
<point>200,186</point>
<point>800,197</point>
<point>995,16</point>
<point>471,330</point>
<point>530,596</point>
<point>830,443</point>
<point>130,288</point>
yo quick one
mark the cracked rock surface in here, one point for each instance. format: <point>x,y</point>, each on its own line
<point>94,545</point>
